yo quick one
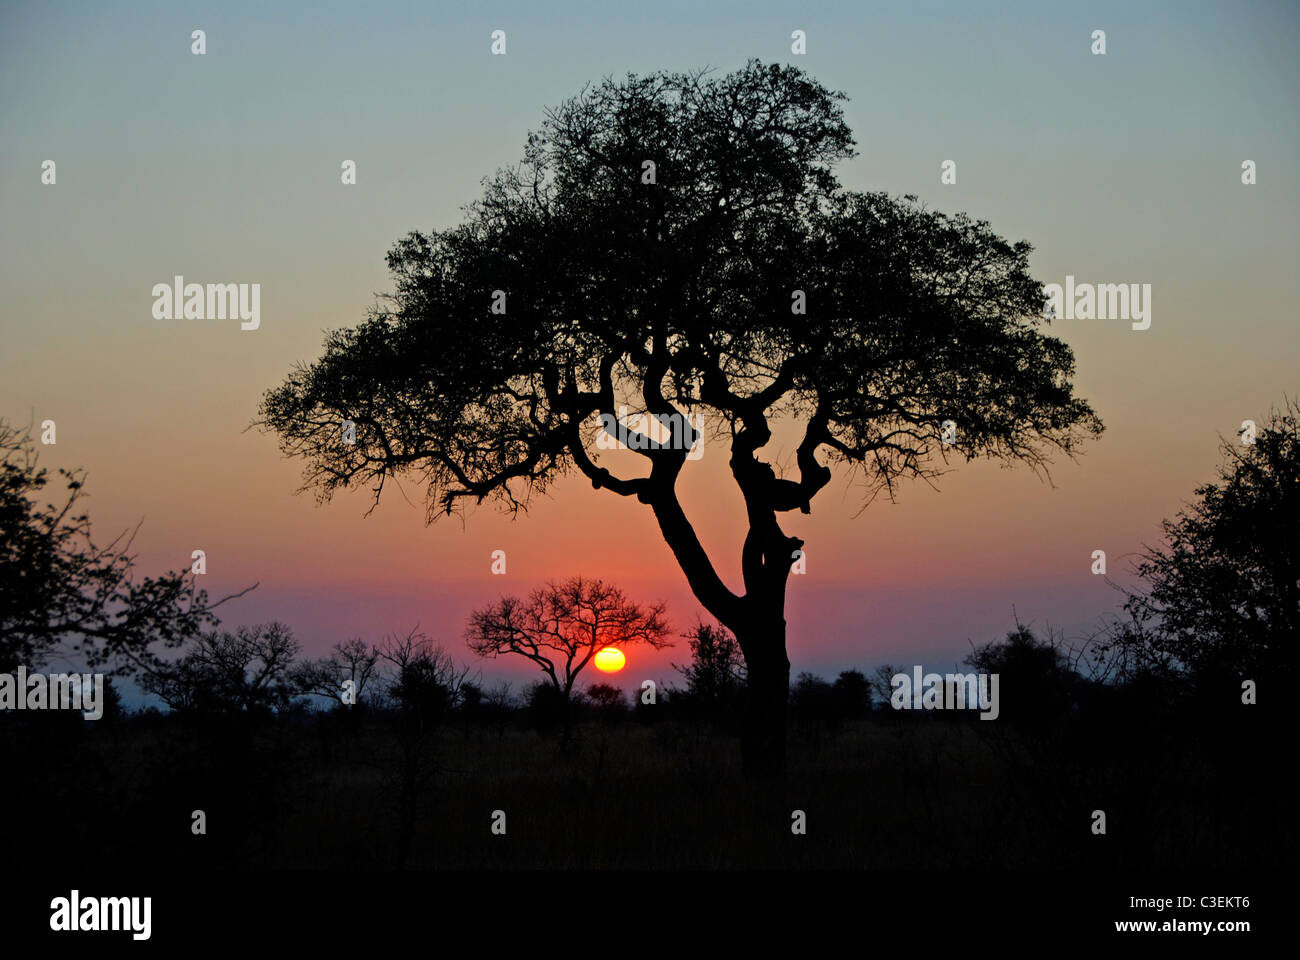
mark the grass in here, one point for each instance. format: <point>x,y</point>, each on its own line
<point>882,793</point>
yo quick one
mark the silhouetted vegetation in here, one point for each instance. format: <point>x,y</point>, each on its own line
<point>562,626</point>
<point>412,780</point>
<point>401,751</point>
<point>681,239</point>
<point>715,676</point>
<point>61,592</point>
<point>1222,597</point>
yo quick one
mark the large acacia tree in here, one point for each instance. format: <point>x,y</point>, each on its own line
<point>679,242</point>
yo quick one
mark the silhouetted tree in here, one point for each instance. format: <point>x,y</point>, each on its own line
<point>187,686</point>
<point>549,709</point>
<point>881,686</point>
<point>608,700</point>
<point>423,681</point>
<point>422,688</point>
<point>58,586</point>
<point>1036,683</point>
<point>715,677</point>
<point>1223,597</point>
<point>562,625</point>
<point>851,695</point>
<point>352,660</point>
<point>246,671</point>
<point>812,701</point>
<point>679,242</point>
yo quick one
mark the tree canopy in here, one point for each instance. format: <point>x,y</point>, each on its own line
<point>678,295</point>
<point>1223,591</point>
<point>679,242</point>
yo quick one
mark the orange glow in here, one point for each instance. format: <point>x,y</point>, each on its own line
<point>609,660</point>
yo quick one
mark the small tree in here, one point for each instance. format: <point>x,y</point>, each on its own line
<point>1036,681</point>
<point>423,682</point>
<point>246,671</point>
<point>561,626</point>
<point>715,677</point>
<point>608,700</point>
<point>351,661</point>
<point>851,694</point>
<point>881,683</point>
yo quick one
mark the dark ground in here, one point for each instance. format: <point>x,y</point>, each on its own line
<point>888,791</point>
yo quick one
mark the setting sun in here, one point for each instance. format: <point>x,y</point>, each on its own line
<point>609,660</point>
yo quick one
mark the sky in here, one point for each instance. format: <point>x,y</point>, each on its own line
<point>1119,168</point>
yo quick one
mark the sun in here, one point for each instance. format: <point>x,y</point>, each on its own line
<point>609,660</point>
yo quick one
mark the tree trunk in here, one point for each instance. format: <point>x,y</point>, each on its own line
<point>762,745</point>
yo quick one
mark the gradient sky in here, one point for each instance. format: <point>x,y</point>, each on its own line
<point>225,168</point>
